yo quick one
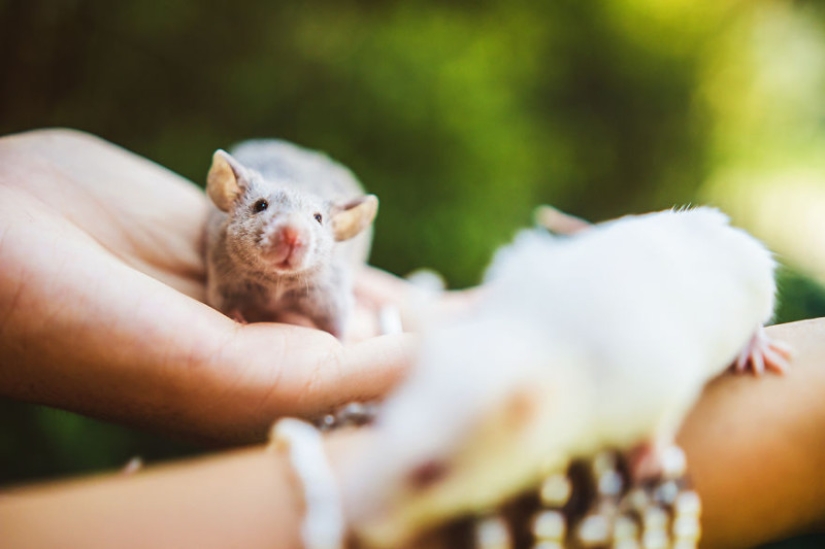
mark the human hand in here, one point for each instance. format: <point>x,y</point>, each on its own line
<point>101,304</point>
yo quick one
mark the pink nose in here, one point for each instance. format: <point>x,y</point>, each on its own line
<point>290,237</point>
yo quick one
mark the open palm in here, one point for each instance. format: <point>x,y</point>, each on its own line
<point>101,304</point>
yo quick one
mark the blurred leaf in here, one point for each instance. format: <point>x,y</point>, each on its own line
<point>38,443</point>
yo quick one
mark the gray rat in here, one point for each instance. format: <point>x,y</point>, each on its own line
<point>288,229</point>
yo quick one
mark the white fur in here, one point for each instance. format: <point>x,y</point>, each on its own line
<point>607,337</point>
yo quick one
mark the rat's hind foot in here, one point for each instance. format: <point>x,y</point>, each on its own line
<point>237,316</point>
<point>762,353</point>
<point>133,466</point>
<point>558,222</point>
<point>649,461</point>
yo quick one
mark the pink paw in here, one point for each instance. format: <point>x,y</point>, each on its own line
<point>558,222</point>
<point>656,459</point>
<point>237,316</point>
<point>135,464</point>
<point>762,353</point>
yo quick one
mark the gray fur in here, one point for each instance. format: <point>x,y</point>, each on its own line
<point>297,183</point>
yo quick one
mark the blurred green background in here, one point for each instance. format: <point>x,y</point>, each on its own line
<point>461,116</point>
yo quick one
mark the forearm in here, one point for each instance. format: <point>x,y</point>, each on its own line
<point>245,499</point>
<point>248,498</point>
<point>756,447</point>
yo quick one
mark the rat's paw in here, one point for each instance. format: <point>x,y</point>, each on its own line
<point>558,222</point>
<point>237,316</point>
<point>133,466</point>
<point>652,460</point>
<point>762,353</point>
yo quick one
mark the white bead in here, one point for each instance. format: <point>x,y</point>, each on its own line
<point>655,518</point>
<point>593,530</point>
<point>667,492</point>
<point>638,499</point>
<point>610,483</point>
<point>555,491</point>
<point>549,525</point>
<point>655,539</point>
<point>625,528</point>
<point>688,503</point>
<point>492,533</point>
<point>674,462</point>
<point>687,527</point>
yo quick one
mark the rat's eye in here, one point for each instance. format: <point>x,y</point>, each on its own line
<point>318,218</point>
<point>427,474</point>
<point>260,206</point>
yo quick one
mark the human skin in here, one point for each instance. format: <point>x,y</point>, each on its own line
<point>755,450</point>
<point>756,447</point>
<point>102,313</point>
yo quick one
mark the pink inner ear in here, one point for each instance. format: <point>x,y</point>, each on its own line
<point>237,168</point>
<point>226,180</point>
<point>342,207</point>
<point>350,218</point>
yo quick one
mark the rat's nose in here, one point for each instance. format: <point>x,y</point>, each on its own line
<point>290,237</point>
<point>287,246</point>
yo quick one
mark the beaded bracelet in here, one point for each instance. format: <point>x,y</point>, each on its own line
<point>594,504</point>
<point>323,525</point>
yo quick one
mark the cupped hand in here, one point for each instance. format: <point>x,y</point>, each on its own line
<point>102,313</point>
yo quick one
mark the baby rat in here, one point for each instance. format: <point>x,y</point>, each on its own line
<point>288,229</point>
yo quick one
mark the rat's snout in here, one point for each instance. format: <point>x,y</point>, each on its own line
<point>289,236</point>
<point>286,245</point>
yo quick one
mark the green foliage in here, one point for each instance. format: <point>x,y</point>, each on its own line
<point>461,117</point>
<point>38,443</point>
<point>800,297</point>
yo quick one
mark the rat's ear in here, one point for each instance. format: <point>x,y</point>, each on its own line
<point>353,217</point>
<point>225,181</point>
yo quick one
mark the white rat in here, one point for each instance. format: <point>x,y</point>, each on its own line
<point>602,339</point>
<point>288,230</point>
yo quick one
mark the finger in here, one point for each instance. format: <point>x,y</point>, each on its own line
<point>266,371</point>
<point>377,287</point>
<point>363,324</point>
